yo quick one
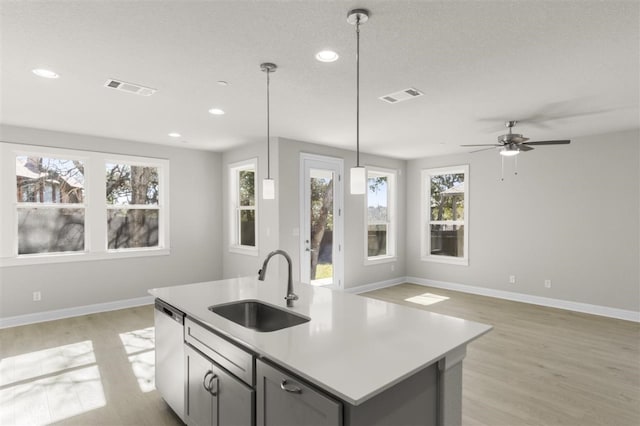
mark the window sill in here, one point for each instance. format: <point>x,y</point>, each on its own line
<point>379,259</point>
<point>80,257</point>
<point>253,251</point>
<point>446,259</point>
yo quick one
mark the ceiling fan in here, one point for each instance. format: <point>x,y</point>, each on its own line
<point>513,143</point>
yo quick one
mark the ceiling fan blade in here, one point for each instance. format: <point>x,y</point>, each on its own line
<point>523,148</point>
<point>483,149</point>
<point>558,142</point>
<point>519,139</point>
<point>484,144</point>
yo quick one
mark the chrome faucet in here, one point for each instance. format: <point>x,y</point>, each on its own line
<point>290,297</point>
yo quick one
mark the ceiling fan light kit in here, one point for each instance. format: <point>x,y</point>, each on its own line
<point>509,150</point>
<point>358,173</point>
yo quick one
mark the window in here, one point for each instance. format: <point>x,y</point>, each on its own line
<point>242,179</point>
<point>56,209</point>
<point>132,206</point>
<point>50,204</point>
<point>445,214</point>
<point>380,211</point>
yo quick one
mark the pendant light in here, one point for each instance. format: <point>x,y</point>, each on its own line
<point>358,173</point>
<point>268,184</point>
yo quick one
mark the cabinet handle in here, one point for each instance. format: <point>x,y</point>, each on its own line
<point>204,381</point>
<point>289,388</point>
<point>211,389</point>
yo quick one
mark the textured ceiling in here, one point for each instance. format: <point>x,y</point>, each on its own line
<point>565,68</point>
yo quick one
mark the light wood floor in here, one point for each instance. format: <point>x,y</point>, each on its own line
<point>539,366</point>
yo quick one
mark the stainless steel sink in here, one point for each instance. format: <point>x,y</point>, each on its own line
<point>257,315</point>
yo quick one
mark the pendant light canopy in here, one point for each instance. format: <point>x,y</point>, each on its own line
<point>358,174</point>
<point>268,184</point>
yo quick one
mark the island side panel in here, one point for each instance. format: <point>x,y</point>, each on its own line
<point>414,401</point>
<point>450,387</point>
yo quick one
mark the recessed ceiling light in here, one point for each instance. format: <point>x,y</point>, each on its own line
<point>327,56</point>
<point>41,72</point>
<point>175,134</point>
<point>216,111</point>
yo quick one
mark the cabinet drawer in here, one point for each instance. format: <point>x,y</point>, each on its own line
<point>284,400</point>
<point>233,358</point>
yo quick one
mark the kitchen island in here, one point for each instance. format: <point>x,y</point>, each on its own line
<point>378,361</point>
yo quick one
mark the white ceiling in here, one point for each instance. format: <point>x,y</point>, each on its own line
<point>565,68</point>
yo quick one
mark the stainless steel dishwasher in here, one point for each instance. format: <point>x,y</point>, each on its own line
<point>169,323</point>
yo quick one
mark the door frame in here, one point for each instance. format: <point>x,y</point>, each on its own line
<point>337,165</point>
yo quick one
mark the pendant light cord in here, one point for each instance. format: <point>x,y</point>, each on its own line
<point>358,91</point>
<point>268,132</point>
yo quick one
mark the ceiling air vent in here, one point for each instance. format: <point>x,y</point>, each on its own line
<point>130,87</point>
<point>402,95</point>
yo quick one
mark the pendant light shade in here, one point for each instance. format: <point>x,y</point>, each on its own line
<point>358,173</point>
<point>268,189</point>
<point>358,180</point>
<point>268,184</point>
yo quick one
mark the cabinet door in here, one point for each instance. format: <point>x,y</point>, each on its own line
<point>283,400</point>
<point>198,400</point>
<point>233,402</point>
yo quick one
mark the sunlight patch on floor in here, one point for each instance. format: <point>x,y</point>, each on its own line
<point>426,299</point>
<point>49,385</point>
<point>140,346</point>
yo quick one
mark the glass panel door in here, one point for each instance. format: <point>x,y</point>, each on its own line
<point>321,218</point>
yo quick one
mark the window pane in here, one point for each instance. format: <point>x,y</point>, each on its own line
<point>248,228</point>
<point>246,187</point>
<point>132,228</point>
<point>50,230</point>
<point>447,197</point>
<point>127,184</point>
<point>377,240</point>
<point>447,240</point>
<point>49,180</point>
<point>377,199</point>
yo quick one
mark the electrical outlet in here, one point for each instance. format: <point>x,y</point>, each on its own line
<point>37,296</point>
<point>547,283</point>
<point>512,279</point>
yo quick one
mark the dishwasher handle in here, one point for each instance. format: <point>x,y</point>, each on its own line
<point>170,311</point>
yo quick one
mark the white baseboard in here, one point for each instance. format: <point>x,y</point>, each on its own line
<point>375,286</point>
<point>73,312</point>
<point>604,311</point>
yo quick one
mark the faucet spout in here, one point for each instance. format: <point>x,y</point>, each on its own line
<point>291,296</point>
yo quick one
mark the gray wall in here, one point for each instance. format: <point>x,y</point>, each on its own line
<point>238,265</point>
<point>572,215</point>
<point>356,272</point>
<point>195,234</point>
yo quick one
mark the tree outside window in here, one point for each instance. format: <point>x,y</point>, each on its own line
<point>132,196</point>
<point>242,177</point>
<point>444,235</point>
<point>380,206</point>
<point>50,204</point>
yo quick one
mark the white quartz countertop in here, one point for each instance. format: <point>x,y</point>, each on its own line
<point>353,347</point>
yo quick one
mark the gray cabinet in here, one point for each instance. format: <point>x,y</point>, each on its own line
<point>283,400</point>
<point>213,397</point>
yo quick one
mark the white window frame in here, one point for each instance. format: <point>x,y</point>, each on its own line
<point>392,224</point>
<point>95,225</point>
<point>425,215</point>
<point>235,208</point>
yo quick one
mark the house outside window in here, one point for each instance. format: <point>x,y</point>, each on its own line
<point>242,179</point>
<point>380,215</point>
<point>56,209</point>
<point>445,215</point>
<point>50,204</point>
